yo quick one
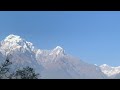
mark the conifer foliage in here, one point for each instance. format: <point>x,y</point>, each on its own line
<point>25,73</point>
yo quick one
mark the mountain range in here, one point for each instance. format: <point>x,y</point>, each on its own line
<point>51,64</point>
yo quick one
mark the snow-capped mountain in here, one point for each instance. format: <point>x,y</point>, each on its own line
<point>53,63</point>
<point>57,51</point>
<point>110,71</point>
<point>13,42</point>
<point>19,51</point>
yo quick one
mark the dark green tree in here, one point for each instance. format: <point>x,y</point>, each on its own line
<point>26,73</point>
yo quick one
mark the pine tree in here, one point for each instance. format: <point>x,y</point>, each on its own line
<point>26,73</point>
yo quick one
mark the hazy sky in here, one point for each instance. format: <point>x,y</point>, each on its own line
<point>92,36</point>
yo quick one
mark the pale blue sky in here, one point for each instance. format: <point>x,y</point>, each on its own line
<point>93,36</point>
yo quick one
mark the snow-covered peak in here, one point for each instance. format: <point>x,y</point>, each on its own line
<point>13,38</point>
<point>15,42</point>
<point>110,71</point>
<point>95,64</point>
<point>58,47</point>
<point>104,65</point>
<point>58,51</point>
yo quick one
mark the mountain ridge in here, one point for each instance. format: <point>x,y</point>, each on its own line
<point>109,70</point>
<point>53,63</point>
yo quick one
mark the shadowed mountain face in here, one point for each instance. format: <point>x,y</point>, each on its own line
<point>51,64</point>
